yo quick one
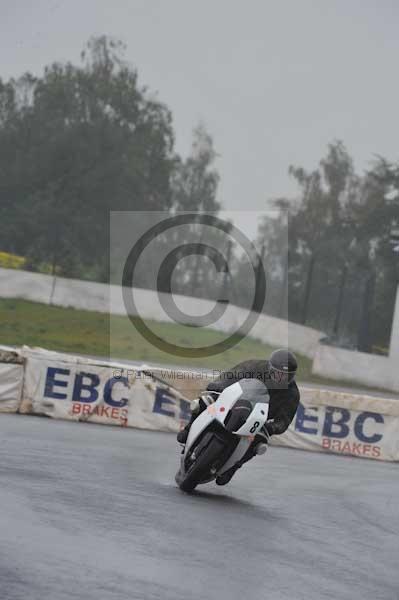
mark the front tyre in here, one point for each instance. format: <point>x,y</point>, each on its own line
<point>201,466</point>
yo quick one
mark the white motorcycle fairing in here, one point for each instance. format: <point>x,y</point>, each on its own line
<point>218,412</point>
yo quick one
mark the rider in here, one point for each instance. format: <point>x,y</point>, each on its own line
<point>278,374</point>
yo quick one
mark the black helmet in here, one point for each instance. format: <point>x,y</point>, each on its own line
<point>282,366</point>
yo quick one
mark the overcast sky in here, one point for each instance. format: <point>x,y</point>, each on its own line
<point>274,81</point>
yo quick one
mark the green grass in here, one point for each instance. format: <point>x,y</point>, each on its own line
<point>87,332</point>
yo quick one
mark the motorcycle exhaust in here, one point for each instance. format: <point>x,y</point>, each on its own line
<point>260,449</point>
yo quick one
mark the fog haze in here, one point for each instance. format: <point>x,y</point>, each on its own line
<point>273,81</point>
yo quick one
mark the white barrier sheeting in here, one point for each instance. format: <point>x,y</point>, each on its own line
<point>357,425</point>
<point>11,378</point>
<point>75,388</point>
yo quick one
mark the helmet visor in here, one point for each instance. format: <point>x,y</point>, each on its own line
<point>280,376</point>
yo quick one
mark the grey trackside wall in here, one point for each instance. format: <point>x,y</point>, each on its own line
<point>329,361</point>
<point>365,369</point>
<point>108,298</point>
<point>360,367</point>
<point>394,343</point>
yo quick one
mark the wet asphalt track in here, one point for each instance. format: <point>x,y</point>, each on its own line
<point>92,512</point>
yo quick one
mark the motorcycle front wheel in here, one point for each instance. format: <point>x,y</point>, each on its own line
<point>202,465</point>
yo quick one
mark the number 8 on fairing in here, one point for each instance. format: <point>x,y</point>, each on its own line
<point>254,427</point>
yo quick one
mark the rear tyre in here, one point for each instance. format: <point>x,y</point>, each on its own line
<point>202,465</point>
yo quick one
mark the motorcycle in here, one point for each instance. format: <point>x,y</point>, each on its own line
<point>221,435</point>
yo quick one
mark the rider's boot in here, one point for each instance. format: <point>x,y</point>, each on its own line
<point>227,475</point>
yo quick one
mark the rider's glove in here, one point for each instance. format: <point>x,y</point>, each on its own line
<point>202,402</point>
<point>269,427</point>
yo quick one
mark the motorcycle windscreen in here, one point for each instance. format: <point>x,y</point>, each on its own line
<point>219,410</point>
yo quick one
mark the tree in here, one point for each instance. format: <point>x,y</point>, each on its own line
<point>196,180</point>
<point>320,234</point>
<point>194,186</point>
<point>341,267</point>
<point>75,144</point>
<point>375,218</point>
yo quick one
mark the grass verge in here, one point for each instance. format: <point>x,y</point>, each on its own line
<point>88,332</point>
